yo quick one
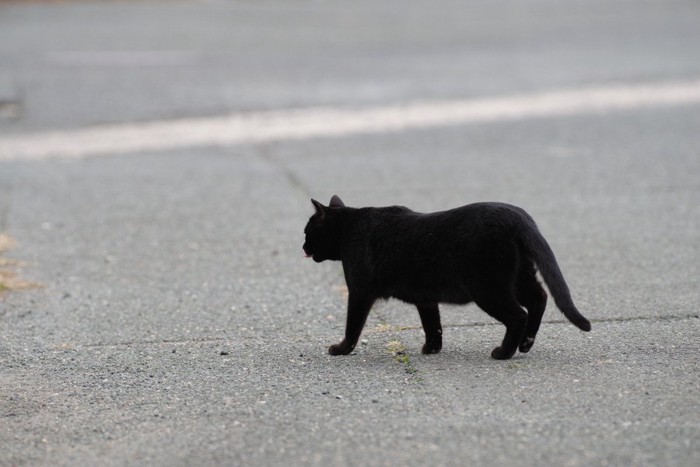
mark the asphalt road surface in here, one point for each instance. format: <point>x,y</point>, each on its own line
<point>177,323</point>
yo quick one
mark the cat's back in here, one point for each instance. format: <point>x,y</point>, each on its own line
<point>478,208</point>
<point>486,211</point>
<point>481,216</point>
<point>481,213</point>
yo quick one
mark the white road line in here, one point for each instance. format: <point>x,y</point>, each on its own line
<point>337,122</point>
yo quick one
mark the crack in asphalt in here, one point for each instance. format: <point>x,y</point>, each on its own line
<point>554,321</point>
<point>368,331</point>
<point>194,340</point>
<point>265,153</point>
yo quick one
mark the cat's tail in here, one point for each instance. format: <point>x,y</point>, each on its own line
<point>547,264</point>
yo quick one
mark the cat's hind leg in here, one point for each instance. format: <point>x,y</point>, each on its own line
<point>532,296</point>
<point>502,305</point>
<point>358,309</point>
<point>430,318</point>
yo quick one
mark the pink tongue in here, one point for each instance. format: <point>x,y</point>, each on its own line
<point>307,255</point>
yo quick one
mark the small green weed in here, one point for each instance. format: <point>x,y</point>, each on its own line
<point>400,355</point>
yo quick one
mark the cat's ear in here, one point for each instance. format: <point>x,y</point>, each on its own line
<point>336,202</point>
<point>320,208</point>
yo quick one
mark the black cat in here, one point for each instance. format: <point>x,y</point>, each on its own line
<point>483,252</point>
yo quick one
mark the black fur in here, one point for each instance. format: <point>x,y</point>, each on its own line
<point>487,253</point>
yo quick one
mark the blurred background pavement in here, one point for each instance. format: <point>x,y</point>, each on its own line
<point>176,321</point>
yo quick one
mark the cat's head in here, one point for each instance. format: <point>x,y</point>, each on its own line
<point>323,231</point>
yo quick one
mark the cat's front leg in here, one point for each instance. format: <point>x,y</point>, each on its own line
<point>430,318</point>
<point>358,309</point>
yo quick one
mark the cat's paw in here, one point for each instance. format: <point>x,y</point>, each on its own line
<point>499,354</point>
<point>526,344</point>
<point>431,347</point>
<point>340,349</point>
